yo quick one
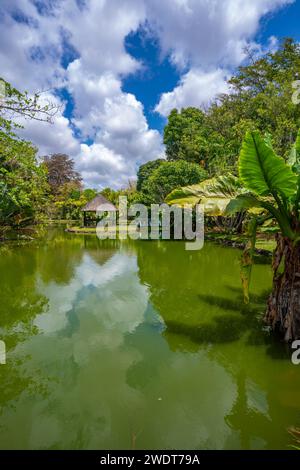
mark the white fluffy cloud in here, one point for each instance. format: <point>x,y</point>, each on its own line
<point>30,46</point>
<point>98,165</point>
<point>203,38</point>
<point>98,30</point>
<point>39,33</point>
<point>205,33</point>
<point>196,88</point>
<point>116,123</point>
<point>208,37</point>
<point>54,138</point>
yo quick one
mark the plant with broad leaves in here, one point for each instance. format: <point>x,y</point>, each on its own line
<point>267,187</point>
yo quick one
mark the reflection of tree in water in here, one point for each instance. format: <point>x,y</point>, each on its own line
<point>20,301</point>
<point>100,250</point>
<point>45,364</point>
<point>20,304</point>
<point>147,340</point>
<point>197,297</point>
<point>202,309</point>
<point>248,422</point>
<point>63,253</point>
<point>59,257</point>
<point>269,423</point>
<point>195,292</point>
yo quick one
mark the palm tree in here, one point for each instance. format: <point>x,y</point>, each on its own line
<point>267,187</point>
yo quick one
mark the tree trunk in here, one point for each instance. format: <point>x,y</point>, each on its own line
<point>283,311</point>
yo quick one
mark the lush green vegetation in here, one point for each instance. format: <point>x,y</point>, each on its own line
<point>227,156</point>
<point>199,144</point>
<point>66,194</point>
<point>23,184</point>
<point>165,177</point>
<point>260,98</point>
<point>268,188</point>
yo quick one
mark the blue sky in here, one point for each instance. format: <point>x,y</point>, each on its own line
<point>117,67</point>
<point>159,75</point>
<point>284,23</point>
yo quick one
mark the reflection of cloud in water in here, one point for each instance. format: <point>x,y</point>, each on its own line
<point>86,369</point>
<point>110,293</point>
<point>104,369</point>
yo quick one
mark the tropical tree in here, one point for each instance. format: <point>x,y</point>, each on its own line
<point>69,201</point>
<point>60,171</point>
<point>145,171</point>
<point>89,194</point>
<point>260,98</point>
<point>185,136</point>
<point>110,194</point>
<point>171,175</point>
<point>267,187</point>
<point>23,183</point>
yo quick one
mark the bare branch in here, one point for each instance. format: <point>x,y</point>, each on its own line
<point>14,103</point>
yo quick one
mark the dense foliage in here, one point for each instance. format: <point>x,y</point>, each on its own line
<point>170,175</point>
<point>186,136</point>
<point>199,143</point>
<point>23,183</point>
<point>268,188</point>
<point>60,171</point>
<point>66,197</point>
<point>260,98</point>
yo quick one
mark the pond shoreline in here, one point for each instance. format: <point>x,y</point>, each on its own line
<point>221,240</point>
<point>239,245</point>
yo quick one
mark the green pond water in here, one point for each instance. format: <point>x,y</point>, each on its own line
<point>138,345</point>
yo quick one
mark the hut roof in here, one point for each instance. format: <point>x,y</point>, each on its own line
<point>99,203</point>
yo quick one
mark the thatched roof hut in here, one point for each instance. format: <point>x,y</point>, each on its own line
<point>99,203</point>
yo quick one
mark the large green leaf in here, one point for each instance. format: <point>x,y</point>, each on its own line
<point>220,186</point>
<point>214,206</point>
<point>262,171</point>
<point>294,161</point>
<point>241,203</point>
<point>182,196</point>
<point>184,201</point>
<point>215,194</point>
